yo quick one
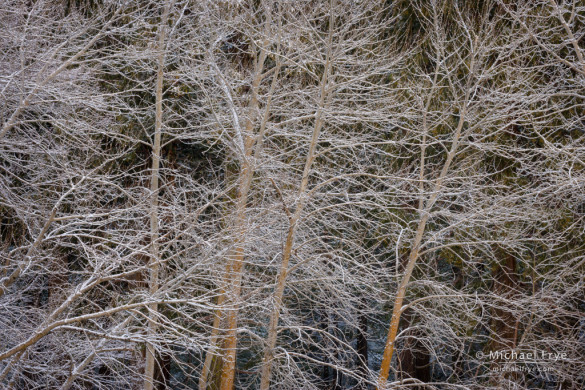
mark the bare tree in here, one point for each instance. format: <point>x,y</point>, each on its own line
<point>328,194</point>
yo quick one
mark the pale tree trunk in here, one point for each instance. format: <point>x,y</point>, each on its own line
<point>217,318</point>
<point>234,270</point>
<point>252,147</point>
<point>294,219</point>
<point>414,253</point>
<point>154,188</point>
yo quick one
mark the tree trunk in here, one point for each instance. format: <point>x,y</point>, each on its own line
<point>504,324</point>
<point>251,149</point>
<point>362,348</point>
<point>293,220</point>
<point>414,253</point>
<point>154,189</point>
<point>414,359</point>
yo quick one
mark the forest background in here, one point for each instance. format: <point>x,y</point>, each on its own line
<point>255,194</point>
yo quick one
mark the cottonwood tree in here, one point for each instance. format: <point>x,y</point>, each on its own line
<point>316,46</point>
<point>494,101</point>
<point>51,154</point>
<point>78,261</point>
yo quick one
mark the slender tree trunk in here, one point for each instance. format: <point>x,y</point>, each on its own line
<point>504,324</point>
<point>252,146</point>
<point>234,275</point>
<point>211,359</point>
<point>414,253</point>
<point>458,356</point>
<point>154,188</point>
<point>294,219</point>
<point>362,348</point>
<point>505,285</point>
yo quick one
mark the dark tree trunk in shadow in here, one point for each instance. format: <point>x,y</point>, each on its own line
<point>362,349</point>
<point>330,377</point>
<point>458,356</point>
<point>504,324</point>
<point>162,373</point>
<point>414,359</point>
